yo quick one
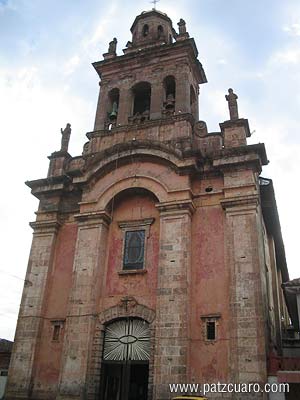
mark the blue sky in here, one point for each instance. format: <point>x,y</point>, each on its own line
<point>46,80</point>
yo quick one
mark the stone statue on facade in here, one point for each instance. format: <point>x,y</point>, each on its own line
<point>65,138</point>
<point>182,26</point>
<point>232,104</point>
<point>112,48</point>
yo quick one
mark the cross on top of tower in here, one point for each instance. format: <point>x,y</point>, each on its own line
<point>154,3</point>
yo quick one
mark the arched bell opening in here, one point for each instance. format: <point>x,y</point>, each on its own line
<point>170,95</point>
<point>160,32</point>
<point>145,31</point>
<point>125,360</point>
<point>141,102</point>
<point>113,107</point>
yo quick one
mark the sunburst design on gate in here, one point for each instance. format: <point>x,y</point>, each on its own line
<point>127,339</point>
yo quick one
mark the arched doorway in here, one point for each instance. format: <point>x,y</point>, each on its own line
<point>125,363</point>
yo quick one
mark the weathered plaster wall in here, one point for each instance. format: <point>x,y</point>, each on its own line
<point>142,286</point>
<point>209,295</point>
<point>48,358</point>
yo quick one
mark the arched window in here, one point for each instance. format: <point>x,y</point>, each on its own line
<point>160,32</point>
<point>145,30</point>
<point>141,101</point>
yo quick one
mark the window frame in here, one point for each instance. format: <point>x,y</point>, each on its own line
<point>206,319</point>
<point>60,325</point>
<point>131,226</point>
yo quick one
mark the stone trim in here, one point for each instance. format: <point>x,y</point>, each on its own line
<point>136,225</point>
<point>176,207</point>
<point>241,201</point>
<point>132,271</point>
<point>127,307</point>
<point>93,218</point>
<point>210,318</point>
<point>146,124</point>
<point>241,122</point>
<point>41,227</point>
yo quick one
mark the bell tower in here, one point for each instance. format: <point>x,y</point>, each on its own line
<point>156,78</point>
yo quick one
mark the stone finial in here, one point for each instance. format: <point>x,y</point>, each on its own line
<point>112,48</point>
<point>232,104</point>
<point>65,138</point>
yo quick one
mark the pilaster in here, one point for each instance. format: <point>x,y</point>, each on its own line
<point>125,105</point>
<point>87,277</point>
<point>101,108</point>
<point>156,99</point>
<point>30,320</point>
<point>244,260</point>
<point>182,104</point>
<point>172,332</point>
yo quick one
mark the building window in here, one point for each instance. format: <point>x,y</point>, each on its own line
<point>135,235</point>
<point>210,330</point>
<point>210,327</point>
<point>4,372</point>
<point>56,332</point>
<point>57,326</point>
<point>134,250</point>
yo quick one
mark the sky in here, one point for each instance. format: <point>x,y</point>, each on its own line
<point>46,80</point>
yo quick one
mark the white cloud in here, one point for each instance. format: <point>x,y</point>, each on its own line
<point>293,29</point>
<point>289,55</point>
<point>71,65</point>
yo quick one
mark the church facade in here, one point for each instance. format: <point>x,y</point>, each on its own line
<point>157,256</point>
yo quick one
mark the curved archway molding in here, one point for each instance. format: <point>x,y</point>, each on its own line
<point>126,307</point>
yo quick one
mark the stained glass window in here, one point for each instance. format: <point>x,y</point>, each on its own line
<point>134,250</point>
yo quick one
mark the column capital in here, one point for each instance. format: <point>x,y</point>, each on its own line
<point>46,226</point>
<point>93,218</point>
<point>240,203</point>
<point>176,207</point>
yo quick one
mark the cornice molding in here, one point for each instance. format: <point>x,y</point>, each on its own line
<point>47,226</point>
<point>93,218</point>
<point>176,207</point>
<point>240,201</point>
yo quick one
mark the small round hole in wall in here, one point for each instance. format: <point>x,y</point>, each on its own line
<point>208,189</point>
